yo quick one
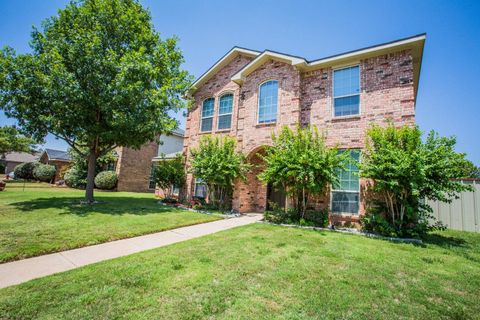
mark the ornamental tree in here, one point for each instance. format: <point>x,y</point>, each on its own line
<point>216,162</point>
<point>99,76</point>
<point>405,170</point>
<point>170,173</point>
<point>300,163</point>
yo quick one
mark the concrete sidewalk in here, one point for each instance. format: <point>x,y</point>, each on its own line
<point>17,272</point>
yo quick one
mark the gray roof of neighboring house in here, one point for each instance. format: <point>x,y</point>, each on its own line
<point>178,132</point>
<point>167,156</point>
<point>20,157</point>
<point>57,155</point>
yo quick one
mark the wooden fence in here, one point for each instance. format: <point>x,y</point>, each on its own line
<point>462,213</point>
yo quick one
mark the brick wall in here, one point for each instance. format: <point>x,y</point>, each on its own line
<point>133,167</point>
<point>387,92</point>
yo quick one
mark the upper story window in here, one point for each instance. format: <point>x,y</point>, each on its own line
<point>207,115</point>
<point>346,193</point>
<point>346,91</point>
<point>225,112</point>
<point>267,102</point>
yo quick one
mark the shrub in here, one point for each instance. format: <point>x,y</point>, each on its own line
<point>170,173</point>
<point>218,164</point>
<point>404,170</point>
<point>44,172</point>
<point>317,218</point>
<point>75,178</point>
<point>301,163</point>
<point>106,180</point>
<point>25,170</point>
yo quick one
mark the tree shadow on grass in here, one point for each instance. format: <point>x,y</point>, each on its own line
<point>445,241</point>
<point>107,205</point>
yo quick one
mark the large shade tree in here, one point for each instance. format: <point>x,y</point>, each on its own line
<point>99,76</point>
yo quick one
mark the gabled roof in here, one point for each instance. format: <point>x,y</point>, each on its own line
<point>20,157</point>
<point>415,43</point>
<point>222,62</point>
<point>56,155</point>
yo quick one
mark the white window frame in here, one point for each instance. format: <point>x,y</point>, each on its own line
<point>151,177</point>
<point>225,114</point>
<point>211,117</point>
<point>348,191</point>
<point>348,95</point>
<point>258,102</point>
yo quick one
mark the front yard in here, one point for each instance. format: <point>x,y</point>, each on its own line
<point>43,219</point>
<point>264,272</point>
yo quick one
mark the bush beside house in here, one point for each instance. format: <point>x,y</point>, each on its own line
<point>106,180</point>
<point>25,170</point>
<point>44,172</point>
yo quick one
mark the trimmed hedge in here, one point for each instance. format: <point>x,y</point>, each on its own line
<point>106,180</point>
<point>75,179</point>
<point>25,170</point>
<point>44,172</point>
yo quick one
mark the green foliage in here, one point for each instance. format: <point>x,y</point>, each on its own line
<point>25,170</point>
<point>406,170</point>
<point>12,141</point>
<point>44,172</point>
<point>98,75</point>
<point>300,163</point>
<point>216,162</point>
<point>106,180</point>
<point>469,170</point>
<point>316,218</point>
<point>74,178</point>
<point>170,173</point>
<point>76,175</point>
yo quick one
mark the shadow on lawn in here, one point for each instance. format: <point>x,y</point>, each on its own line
<point>445,241</point>
<point>105,205</point>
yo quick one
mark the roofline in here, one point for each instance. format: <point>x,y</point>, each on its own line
<point>234,49</point>
<point>413,42</point>
<point>385,45</point>
<point>56,159</point>
<point>304,64</point>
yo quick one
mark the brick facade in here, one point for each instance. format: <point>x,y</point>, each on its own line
<point>387,92</point>
<point>134,166</point>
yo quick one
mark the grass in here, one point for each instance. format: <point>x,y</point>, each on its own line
<point>266,272</point>
<point>44,219</point>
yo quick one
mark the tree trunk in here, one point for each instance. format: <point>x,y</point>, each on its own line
<point>92,159</point>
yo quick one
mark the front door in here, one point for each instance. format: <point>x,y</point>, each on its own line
<point>276,197</point>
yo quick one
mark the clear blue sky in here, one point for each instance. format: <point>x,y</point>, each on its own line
<point>449,79</point>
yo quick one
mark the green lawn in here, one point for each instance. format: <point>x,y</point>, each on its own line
<point>264,272</point>
<point>45,219</point>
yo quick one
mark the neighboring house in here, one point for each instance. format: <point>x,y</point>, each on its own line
<point>58,158</point>
<point>134,167</point>
<point>13,159</point>
<point>248,94</point>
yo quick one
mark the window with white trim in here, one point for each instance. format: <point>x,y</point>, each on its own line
<point>200,188</point>
<point>225,112</point>
<point>346,193</point>
<point>207,114</point>
<point>267,102</point>
<point>151,179</point>
<point>346,91</point>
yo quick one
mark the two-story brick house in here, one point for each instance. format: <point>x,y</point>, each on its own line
<point>248,94</point>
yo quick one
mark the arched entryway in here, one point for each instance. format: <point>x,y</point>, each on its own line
<point>252,195</point>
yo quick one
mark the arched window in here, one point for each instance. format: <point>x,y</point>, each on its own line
<point>225,112</point>
<point>267,102</point>
<point>207,115</point>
